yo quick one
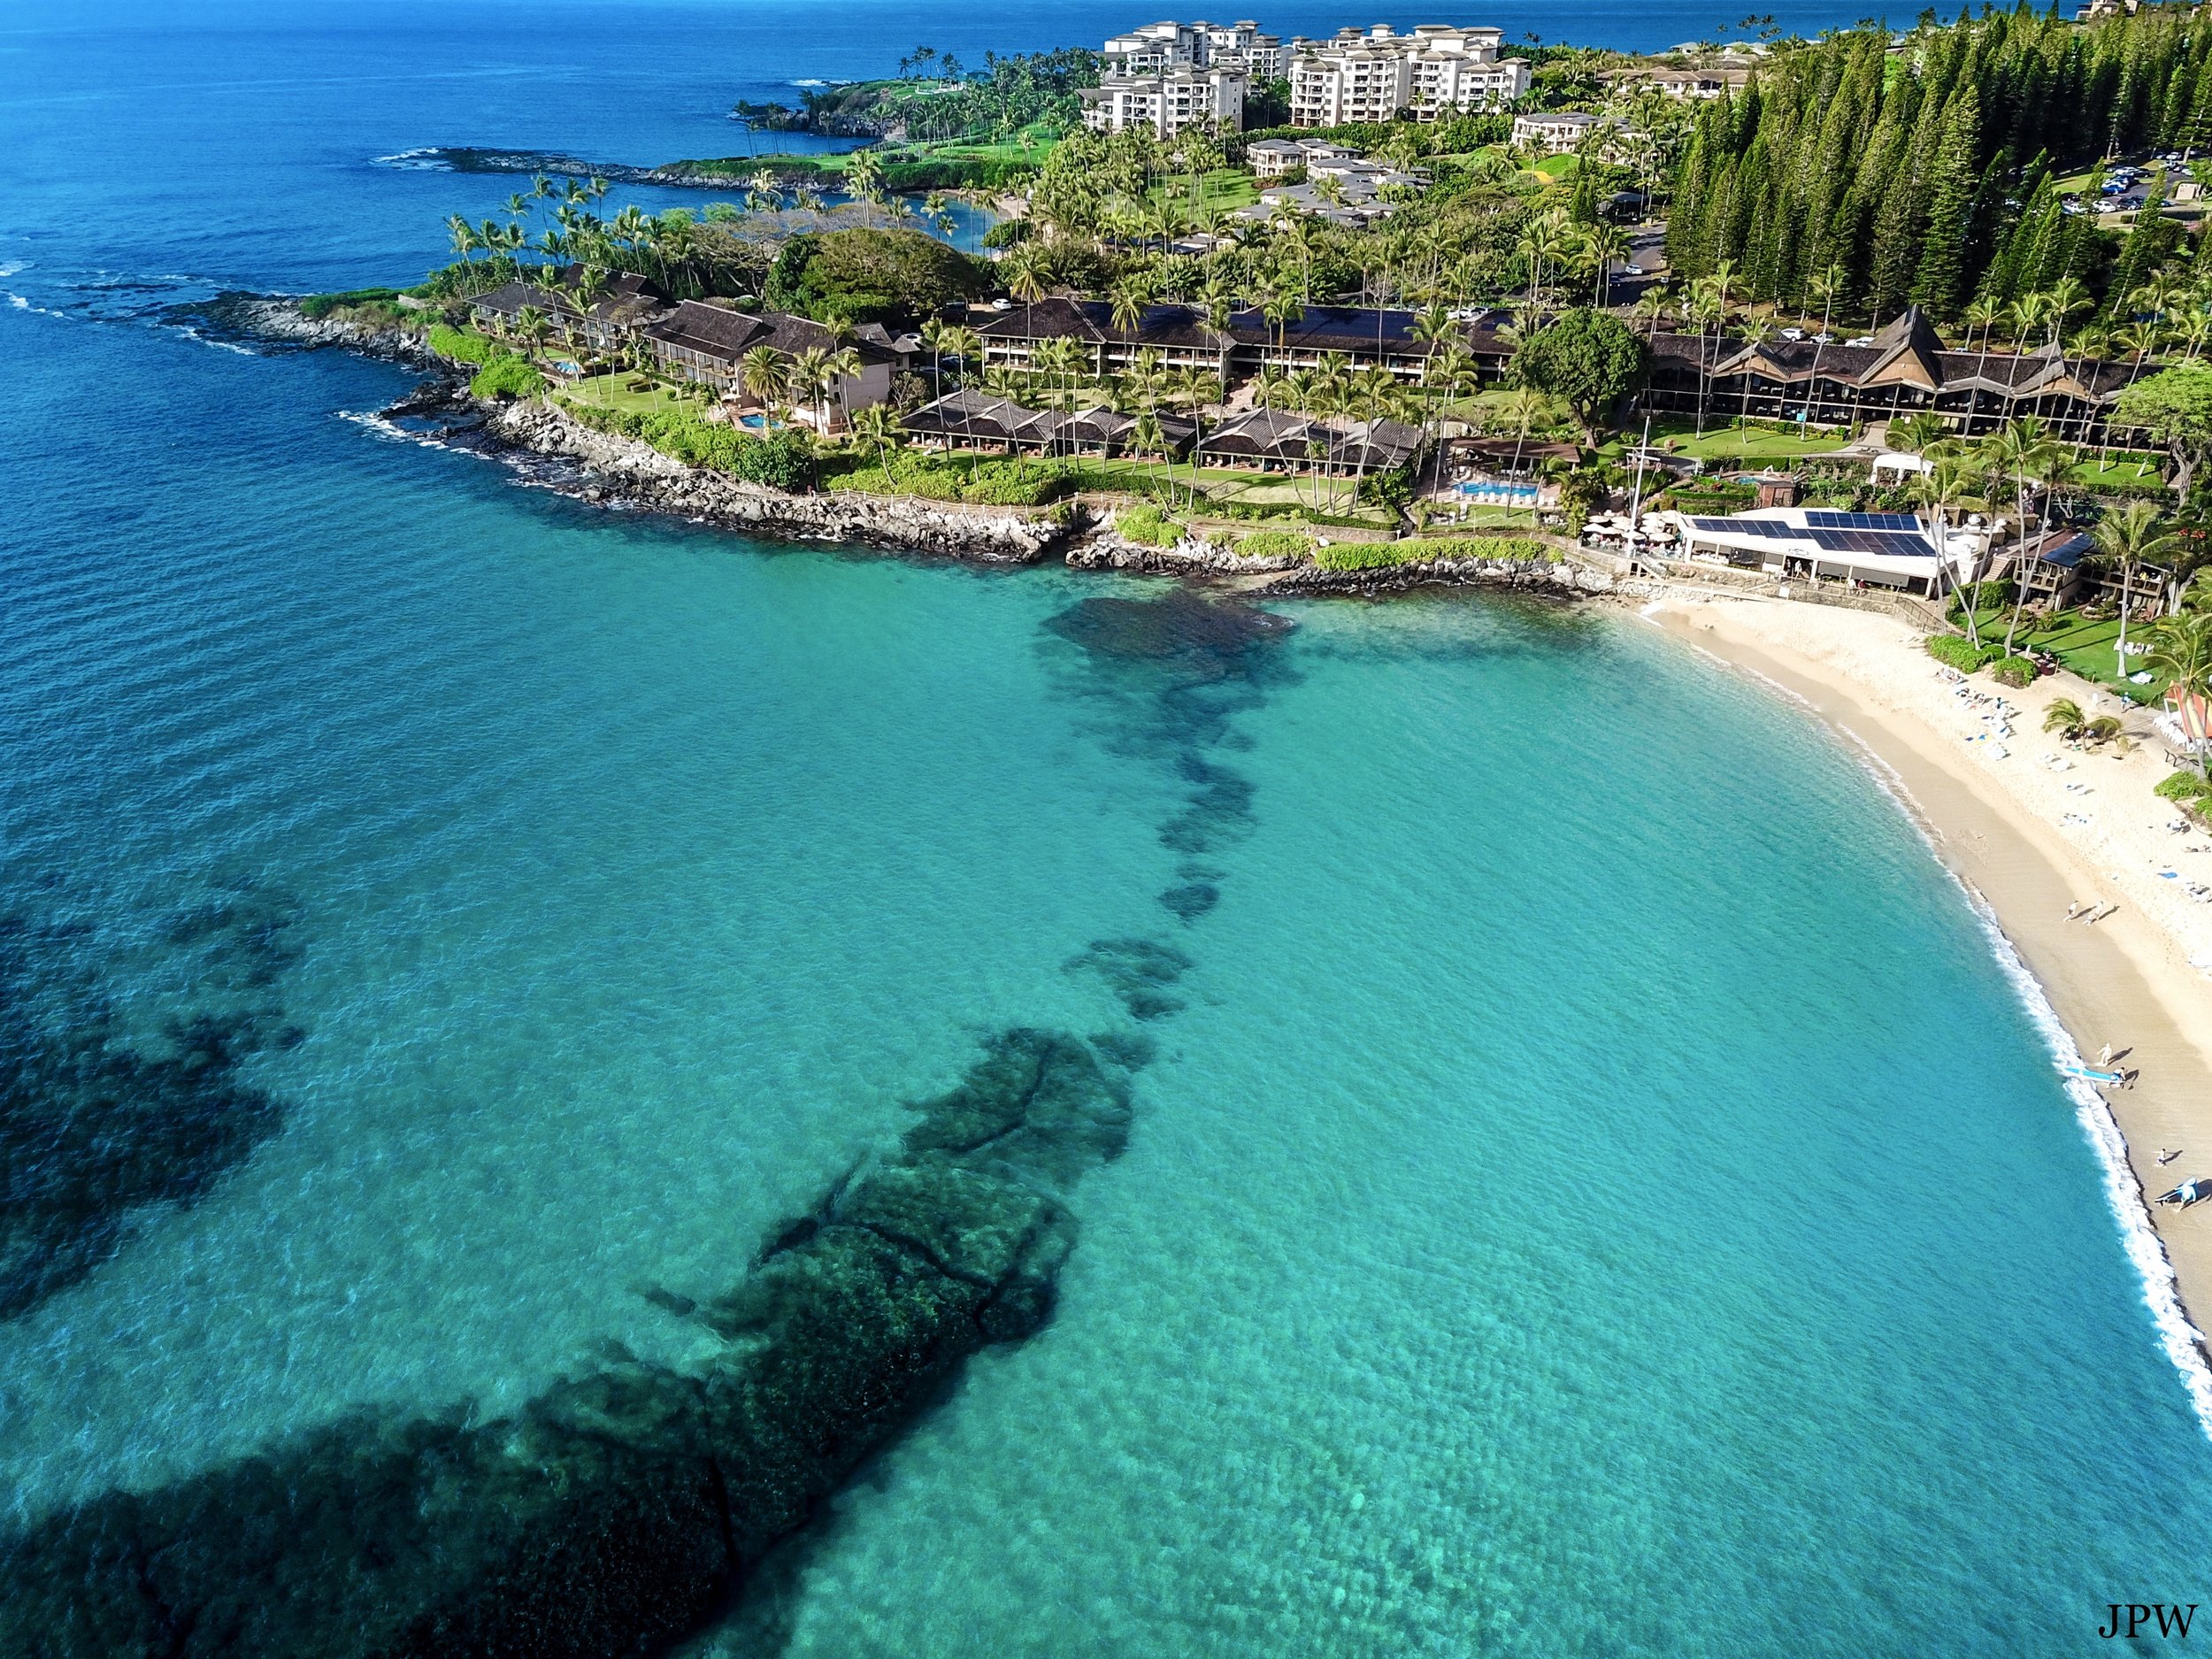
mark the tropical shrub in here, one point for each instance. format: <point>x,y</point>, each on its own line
<point>460,345</point>
<point>1147,526</point>
<point>779,460</point>
<point>2186,788</point>
<point>507,377</point>
<point>1367,555</point>
<point>1961,654</point>
<point>2015,672</point>
<point>992,483</point>
<point>1273,544</point>
<point>315,307</point>
<point>1985,595</point>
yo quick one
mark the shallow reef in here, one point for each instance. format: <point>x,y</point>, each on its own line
<point>105,1110</point>
<point>620,1510</point>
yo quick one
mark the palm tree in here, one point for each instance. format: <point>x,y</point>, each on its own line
<point>2064,716</point>
<point>764,372</point>
<point>2128,538</point>
<point>1025,269</point>
<point>1917,434</point>
<point>844,367</point>
<point>1655,304</point>
<point>878,425</point>
<point>1946,487</point>
<point>809,378</point>
<point>1520,407</point>
<point>2181,650</point>
<point>1148,436</point>
<point>531,324</point>
<point>2025,450</point>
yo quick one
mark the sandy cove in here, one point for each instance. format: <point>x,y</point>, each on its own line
<point>2137,979</point>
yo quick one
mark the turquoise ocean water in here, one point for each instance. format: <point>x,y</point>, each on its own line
<point>1600,1193</point>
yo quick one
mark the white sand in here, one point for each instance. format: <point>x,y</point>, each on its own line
<point>2142,979</point>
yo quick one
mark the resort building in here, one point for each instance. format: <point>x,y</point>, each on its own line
<point>973,420</point>
<point>1558,132</point>
<point>1433,72</point>
<point>1875,549</point>
<point>1345,190</point>
<point>1903,370</point>
<point>1162,48</point>
<point>707,341</point>
<point>1684,83</point>
<point>599,319</point>
<point>1271,157</point>
<point>1178,335</point>
<point>1167,101</point>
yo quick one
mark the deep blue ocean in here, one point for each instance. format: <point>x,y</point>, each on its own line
<point>1601,1193</point>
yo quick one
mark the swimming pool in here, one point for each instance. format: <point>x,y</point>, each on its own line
<point>1498,494</point>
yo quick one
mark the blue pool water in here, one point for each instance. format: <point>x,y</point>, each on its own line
<point>1600,1193</point>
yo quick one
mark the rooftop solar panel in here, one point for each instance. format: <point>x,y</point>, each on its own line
<point>1891,543</point>
<point>1823,520</point>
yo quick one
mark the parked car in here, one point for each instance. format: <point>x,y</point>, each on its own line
<point>1631,270</point>
<point>1792,334</point>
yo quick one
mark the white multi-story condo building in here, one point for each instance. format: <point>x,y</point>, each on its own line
<point>1435,71</point>
<point>1167,101</point>
<point>1163,47</point>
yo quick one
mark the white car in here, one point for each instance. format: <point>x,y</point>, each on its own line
<point>1631,270</point>
<point>1792,334</point>
<point>1860,340</point>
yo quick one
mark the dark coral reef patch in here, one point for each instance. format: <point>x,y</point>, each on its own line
<point>104,1111</point>
<point>620,1510</point>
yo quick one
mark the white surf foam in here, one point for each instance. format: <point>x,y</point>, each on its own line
<point>2184,1343</point>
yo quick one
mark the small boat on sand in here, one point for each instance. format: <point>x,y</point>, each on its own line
<point>2192,1191</point>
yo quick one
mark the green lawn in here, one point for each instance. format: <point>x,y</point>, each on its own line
<point>2087,649</point>
<point>1269,492</point>
<point>610,391</point>
<point>1227,188</point>
<point>2117,469</point>
<point>1729,439</point>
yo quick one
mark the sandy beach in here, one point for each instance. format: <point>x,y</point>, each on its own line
<point>2031,833</point>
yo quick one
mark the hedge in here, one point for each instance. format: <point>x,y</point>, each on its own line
<point>2016,671</point>
<point>1147,526</point>
<point>1961,654</point>
<point>2187,788</point>
<point>1986,596</point>
<point>1367,555</point>
<point>507,377</point>
<point>980,483</point>
<point>1274,544</point>
<point>460,345</point>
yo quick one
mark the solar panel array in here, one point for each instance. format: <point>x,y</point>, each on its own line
<point>1893,534</point>
<point>1892,543</point>
<point>1821,518</point>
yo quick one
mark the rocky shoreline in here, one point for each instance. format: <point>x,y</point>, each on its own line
<point>611,469</point>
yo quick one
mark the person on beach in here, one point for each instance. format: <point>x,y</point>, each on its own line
<point>2073,909</point>
<point>2104,1056</point>
<point>2167,1157</point>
